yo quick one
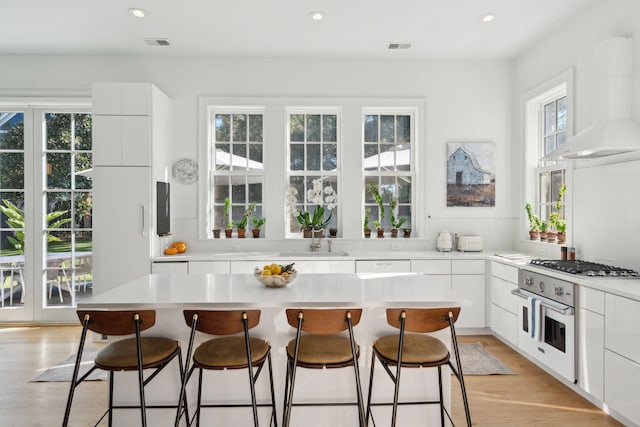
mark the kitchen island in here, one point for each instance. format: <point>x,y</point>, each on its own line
<point>170,294</point>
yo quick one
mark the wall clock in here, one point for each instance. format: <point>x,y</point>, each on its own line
<point>185,171</point>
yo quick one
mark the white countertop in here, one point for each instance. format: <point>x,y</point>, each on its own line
<point>307,255</point>
<point>240,290</point>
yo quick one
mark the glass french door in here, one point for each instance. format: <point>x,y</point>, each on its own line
<point>45,199</point>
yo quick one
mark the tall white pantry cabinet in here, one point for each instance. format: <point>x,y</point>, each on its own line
<point>131,130</point>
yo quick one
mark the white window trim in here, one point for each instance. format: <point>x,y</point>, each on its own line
<point>531,101</point>
<point>350,150</point>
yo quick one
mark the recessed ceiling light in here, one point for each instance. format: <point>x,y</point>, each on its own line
<point>316,16</point>
<point>489,17</point>
<point>138,13</point>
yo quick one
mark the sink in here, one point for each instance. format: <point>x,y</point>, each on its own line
<point>314,254</point>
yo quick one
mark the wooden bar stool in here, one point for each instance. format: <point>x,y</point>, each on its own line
<point>322,347</point>
<point>129,354</point>
<point>227,352</point>
<point>415,350</point>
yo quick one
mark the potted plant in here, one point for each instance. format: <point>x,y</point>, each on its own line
<point>367,218</point>
<point>257,223</point>
<point>543,230</point>
<point>242,224</point>
<point>395,223</point>
<point>559,222</point>
<point>373,189</point>
<point>228,231</point>
<point>534,223</point>
<point>313,224</point>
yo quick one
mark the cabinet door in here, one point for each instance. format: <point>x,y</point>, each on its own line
<point>505,272</point>
<point>591,353</point>
<point>136,99</point>
<point>501,294</point>
<point>504,323</point>
<point>622,334</point>
<point>180,267</point>
<point>383,266</point>
<point>209,267</point>
<point>121,225</point>
<point>467,266</point>
<point>470,286</point>
<point>121,99</point>
<point>136,140</point>
<point>107,140</point>
<point>621,391</point>
<point>431,266</point>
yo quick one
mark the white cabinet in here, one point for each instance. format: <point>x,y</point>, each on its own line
<point>132,126</point>
<point>622,356</point>
<point>122,141</point>
<point>468,279</point>
<point>504,305</point>
<point>383,266</point>
<point>591,342</point>
<point>121,225</point>
<point>431,266</point>
<point>170,267</point>
<point>209,267</point>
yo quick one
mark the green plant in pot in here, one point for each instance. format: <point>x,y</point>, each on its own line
<point>557,220</point>
<point>365,227</point>
<point>242,224</point>
<point>396,223</point>
<point>373,189</point>
<point>544,226</point>
<point>257,223</point>
<point>534,223</point>
<point>227,218</point>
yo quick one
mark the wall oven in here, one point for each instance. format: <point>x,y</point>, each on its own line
<point>547,322</point>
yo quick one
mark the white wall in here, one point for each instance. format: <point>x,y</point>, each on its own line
<point>604,207</point>
<point>465,101</point>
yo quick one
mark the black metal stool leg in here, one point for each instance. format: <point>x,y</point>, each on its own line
<point>274,415</point>
<point>440,396</point>
<point>373,361</point>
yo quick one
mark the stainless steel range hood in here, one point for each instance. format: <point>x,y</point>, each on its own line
<point>614,132</point>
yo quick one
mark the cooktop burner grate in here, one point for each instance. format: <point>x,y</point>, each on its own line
<point>585,268</point>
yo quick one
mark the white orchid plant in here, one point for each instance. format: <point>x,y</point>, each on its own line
<point>320,197</point>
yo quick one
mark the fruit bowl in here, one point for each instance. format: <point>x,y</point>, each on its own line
<point>275,280</point>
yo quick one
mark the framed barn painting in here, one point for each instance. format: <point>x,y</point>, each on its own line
<point>471,174</point>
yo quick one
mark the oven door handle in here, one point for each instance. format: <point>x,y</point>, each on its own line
<point>565,310</point>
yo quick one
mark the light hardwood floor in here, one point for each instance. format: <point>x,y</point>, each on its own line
<point>529,398</point>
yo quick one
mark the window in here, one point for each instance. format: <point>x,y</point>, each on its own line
<point>388,141</point>
<point>547,124</point>
<point>313,140</point>
<point>236,164</point>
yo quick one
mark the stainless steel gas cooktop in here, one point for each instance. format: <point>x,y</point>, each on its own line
<point>584,268</point>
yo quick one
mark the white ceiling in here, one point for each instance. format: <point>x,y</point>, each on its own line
<point>281,28</point>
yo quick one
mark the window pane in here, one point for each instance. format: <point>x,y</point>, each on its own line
<point>296,132</point>
<point>12,170</point>
<point>239,127</point>
<point>255,127</point>
<point>82,131</point>
<point>58,170</point>
<point>550,118</point>
<point>223,128</point>
<point>370,128</point>
<point>329,157</point>
<point>11,131</point>
<point>403,158</point>
<point>313,127</point>
<point>255,155</point>
<point>59,212</point>
<point>239,158</point>
<point>371,159</point>
<point>561,138</point>
<point>545,188</point>
<point>220,188</point>
<point>83,209</point>
<point>562,114</point>
<point>404,189</point>
<point>255,191</point>
<point>83,170</point>
<point>313,157</point>
<point>297,157</point>
<point>330,128</point>
<point>222,158</point>
<point>403,128</point>
<point>387,129</point>
<point>238,192</point>
<point>549,144</point>
<point>58,131</point>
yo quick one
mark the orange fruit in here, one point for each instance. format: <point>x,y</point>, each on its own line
<point>180,246</point>
<point>170,251</point>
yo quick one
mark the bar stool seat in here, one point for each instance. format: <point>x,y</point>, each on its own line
<point>317,351</point>
<point>122,355</point>
<point>230,353</point>
<point>419,350</point>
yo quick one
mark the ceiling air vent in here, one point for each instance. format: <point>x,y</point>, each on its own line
<point>398,46</point>
<point>158,42</point>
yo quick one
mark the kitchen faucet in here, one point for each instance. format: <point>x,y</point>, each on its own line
<point>315,245</point>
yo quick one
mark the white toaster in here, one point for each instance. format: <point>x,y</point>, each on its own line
<point>470,244</point>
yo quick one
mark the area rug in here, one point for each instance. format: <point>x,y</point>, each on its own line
<point>64,370</point>
<point>476,360</point>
